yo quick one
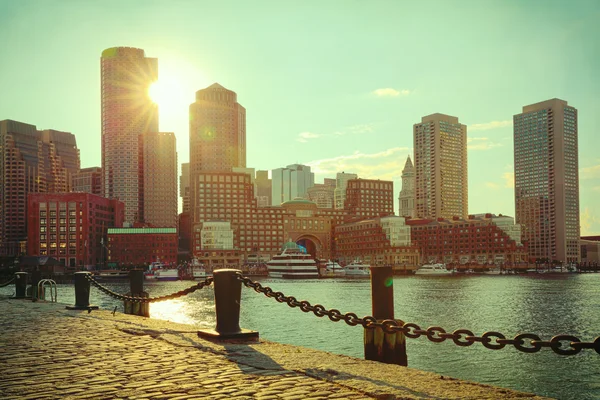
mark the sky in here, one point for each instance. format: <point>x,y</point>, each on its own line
<point>336,85</point>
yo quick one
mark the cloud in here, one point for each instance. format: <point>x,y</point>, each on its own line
<point>588,222</point>
<point>389,92</point>
<point>303,137</point>
<point>481,143</point>
<point>358,129</point>
<point>509,179</point>
<point>490,125</point>
<point>385,165</point>
<point>492,185</point>
<point>592,172</point>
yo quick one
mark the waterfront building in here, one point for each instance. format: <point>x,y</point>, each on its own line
<point>71,227</point>
<point>339,194</point>
<point>291,182</point>
<point>31,161</point>
<point>216,235</point>
<point>590,250</point>
<point>217,131</point>
<point>184,229</point>
<point>263,188</point>
<point>441,184</point>
<point>406,200</point>
<point>127,112</point>
<point>377,242</point>
<point>369,198</point>
<point>184,187</point>
<point>88,180</point>
<point>159,194</point>
<point>547,180</point>
<point>129,247</point>
<point>476,240</point>
<point>322,193</point>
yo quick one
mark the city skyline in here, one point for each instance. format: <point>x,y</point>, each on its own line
<point>320,103</point>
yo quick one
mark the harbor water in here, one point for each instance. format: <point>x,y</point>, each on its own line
<point>542,304</point>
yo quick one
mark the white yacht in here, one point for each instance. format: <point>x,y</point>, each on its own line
<point>332,270</point>
<point>293,263</point>
<point>433,269</point>
<point>357,269</point>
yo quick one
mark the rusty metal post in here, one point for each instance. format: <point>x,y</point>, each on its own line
<point>380,346</point>
<point>136,289</point>
<point>228,291</point>
<point>82,292</point>
<point>20,285</point>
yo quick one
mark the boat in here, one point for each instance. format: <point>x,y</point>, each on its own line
<point>293,263</point>
<point>332,270</point>
<point>111,274</point>
<point>358,269</point>
<point>493,271</point>
<point>197,268</point>
<point>166,274</point>
<point>433,269</point>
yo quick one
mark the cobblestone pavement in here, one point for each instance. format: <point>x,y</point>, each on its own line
<point>47,352</point>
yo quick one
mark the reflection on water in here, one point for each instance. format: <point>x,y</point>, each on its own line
<point>545,305</point>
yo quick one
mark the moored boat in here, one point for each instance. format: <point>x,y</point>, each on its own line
<point>293,263</point>
<point>358,269</point>
<point>166,274</point>
<point>332,270</point>
<point>433,269</point>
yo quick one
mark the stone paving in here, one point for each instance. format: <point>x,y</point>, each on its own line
<point>47,352</point>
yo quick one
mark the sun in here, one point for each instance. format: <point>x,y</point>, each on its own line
<point>168,93</point>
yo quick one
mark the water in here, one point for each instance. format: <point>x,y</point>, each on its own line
<point>545,305</point>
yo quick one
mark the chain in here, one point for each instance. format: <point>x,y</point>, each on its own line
<point>132,299</point>
<point>565,345</point>
<point>7,283</point>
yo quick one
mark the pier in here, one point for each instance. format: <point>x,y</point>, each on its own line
<point>49,352</point>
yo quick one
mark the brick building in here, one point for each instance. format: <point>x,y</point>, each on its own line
<point>475,241</point>
<point>71,227</point>
<point>129,247</point>
<point>377,241</point>
<point>369,198</point>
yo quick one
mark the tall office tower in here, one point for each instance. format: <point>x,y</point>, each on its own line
<point>127,113</point>
<point>406,200</point>
<point>160,179</point>
<point>290,182</point>
<point>322,193</point>
<point>339,194</point>
<point>31,161</point>
<point>184,186</point>
<point>88,180</point>
<point>547,180</point>
<point>263,188</point>
<point>440,144</point>
<point>217,131</point>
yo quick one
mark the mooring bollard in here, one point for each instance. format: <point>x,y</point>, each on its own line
<point>20,285</point>
<point>36,277</point>
<point>380,346</point>
<point>82,292</point>
<point>228,292</point>
<point>136,289</point>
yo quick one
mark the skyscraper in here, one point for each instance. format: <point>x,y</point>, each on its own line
<point>31,161</point>
<point>184,187</point>
<point>127,113</point>
<point>440,144</point>
<point>290,182</point>
<point>217,131</point>
<point>547,180</point>
<point>160,179</point>
<point>406,200</point>
<point>339,193</point>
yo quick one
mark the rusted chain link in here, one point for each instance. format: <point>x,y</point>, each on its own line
<point>565,345</point>
<point>175,295</point>
<point>7,283</point>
